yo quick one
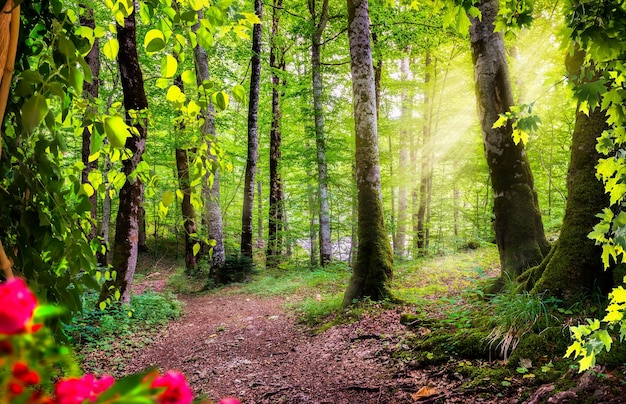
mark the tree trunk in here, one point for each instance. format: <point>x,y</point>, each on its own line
<point>105,224</point>
<point>143,235</point>
<point>211,189</point>
<point>313,222</point>
<point>519,231</point>
<point>318,114</point>
<point>253,136</point>
<point>374,267</point>
<point>425,172</point>
<point>392,192</point>
<point>187,209</point>
<point>573,266</point>
<point>259,231</point>
<point>90,90</point>
<point>403,164</point>
<point>276,197</point>
<point>131,195</point>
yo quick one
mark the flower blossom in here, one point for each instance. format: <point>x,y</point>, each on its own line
<point>177,390</point>
<point>17,305</point>
<point>76,391</point>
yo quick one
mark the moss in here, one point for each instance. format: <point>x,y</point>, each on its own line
<point>417,320</point>
<point>482,374</point>
<point>373,270</point>
<point>574,265</point>
<point>531,346</point>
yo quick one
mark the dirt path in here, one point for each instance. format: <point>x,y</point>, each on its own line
<point>250,348</point>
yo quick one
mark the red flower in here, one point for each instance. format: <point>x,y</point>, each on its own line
<point>177,390</point>
<point>17,304</point>
<point>25,375</point>
<point>75,391</point>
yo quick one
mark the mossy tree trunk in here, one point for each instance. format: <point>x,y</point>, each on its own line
<point>374,265</point>
<point>519,230</point>
<point>574,266</point>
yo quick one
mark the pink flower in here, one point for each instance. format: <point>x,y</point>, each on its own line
<point>17,304</point>
<point>229,400</point>
<point>75,391</point>
<point>177,390</point>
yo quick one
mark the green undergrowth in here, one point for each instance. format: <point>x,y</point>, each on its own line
<point>286,282</point>
<point>504,341</point>
<point>101,330</point>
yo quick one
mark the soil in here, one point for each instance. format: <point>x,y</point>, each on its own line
<point>229,344</point>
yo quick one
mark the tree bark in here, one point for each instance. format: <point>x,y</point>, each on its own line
<point>423,222</point>
<point>187,209</point>
<point>131,195</point>
<point>374,267</point>
<point>325,246</point>
<point>574,267</point>
<point>276,197</point>
<point>403,164</point>
<point>211,189</point>
<point>90,90</point>
<point>253,136</point>
<point>519,231</point>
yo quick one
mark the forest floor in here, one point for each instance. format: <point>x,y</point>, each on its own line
<point>254,347</point>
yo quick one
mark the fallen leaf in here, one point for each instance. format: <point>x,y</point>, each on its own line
<point>424,392</point>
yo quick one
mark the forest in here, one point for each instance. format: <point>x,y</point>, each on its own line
<point>383,201</point>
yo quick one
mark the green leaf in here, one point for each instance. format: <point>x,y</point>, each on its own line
<point>174,94</point>
<point>116,130</point>
<point>102,305</point>
<point>168,198</point>
<point>239,93</point>
<point>33,112</point>
<point>111,48</point>
<point>205,38</point>
<point>196,249</point>
<point>251,18</point>
<point>169,65</point>
<point>604,337</point>
<point>587,361</point>
<point>154,41</point>
<point>196,5</point>
<point>86,189</point>
<point>221,100</point>
<point>188,77</point>
<point>500,122</point>
<point>46,311</point>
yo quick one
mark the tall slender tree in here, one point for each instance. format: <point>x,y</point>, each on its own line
<point>374,266</point>
<point>319,18</point>
<point>399,245</point>
<point>211,184</point>
<point>425,176</point>
<point>126,246</point>
<point>90,90</point>
<point>187,209</point>
<point>519,230</point>
<point>253,135</point>
<point>276,198</point>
